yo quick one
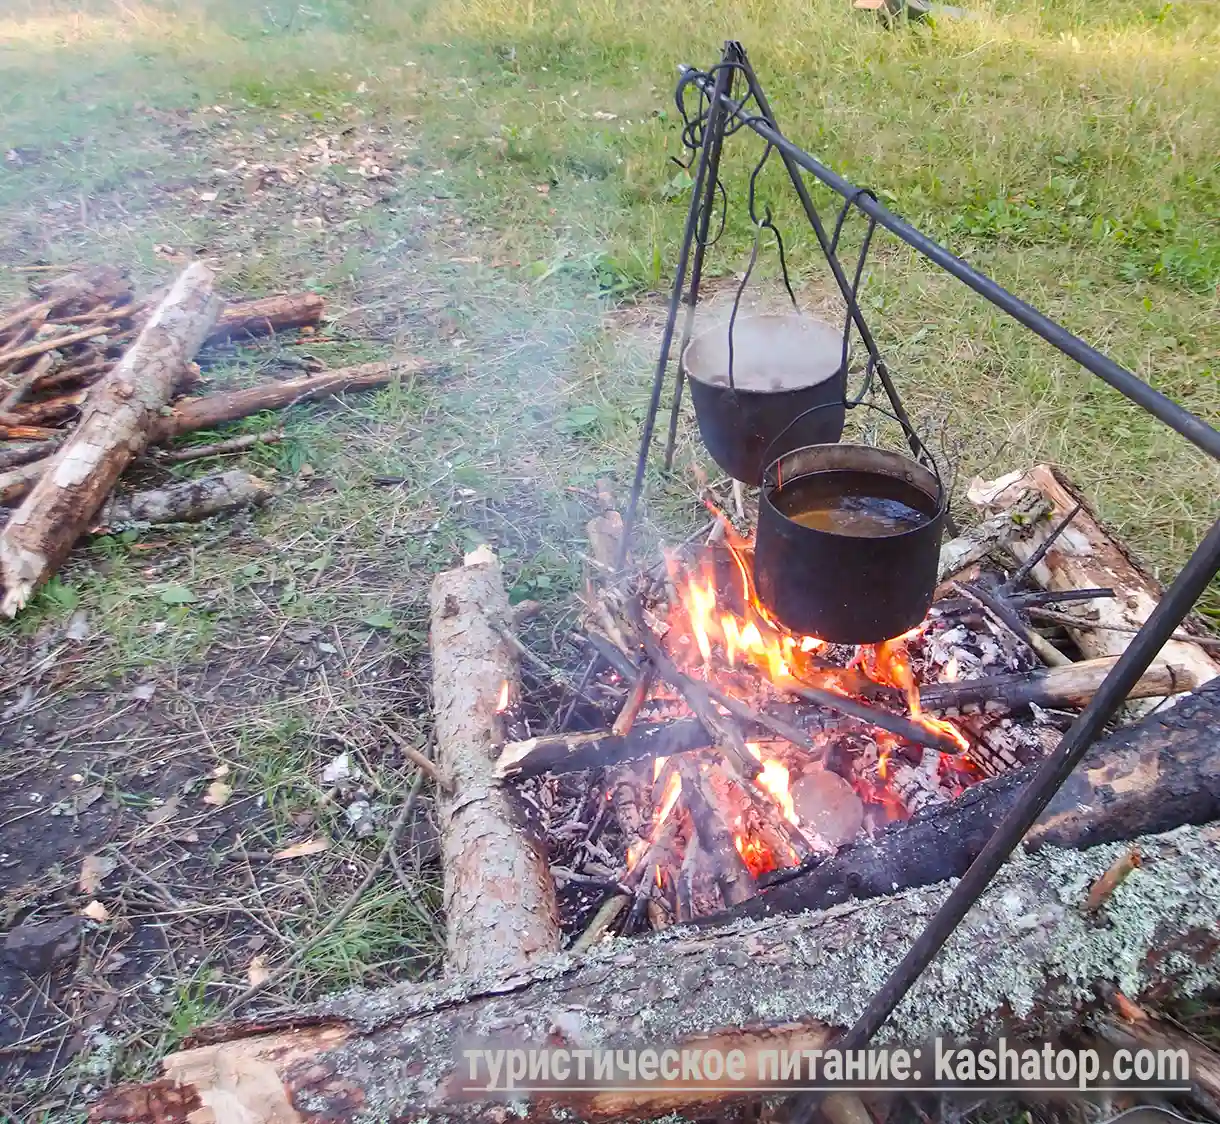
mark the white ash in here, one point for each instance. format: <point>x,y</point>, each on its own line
<point>919,786</point>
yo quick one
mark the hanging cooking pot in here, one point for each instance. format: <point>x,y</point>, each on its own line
<point>748,385</point>
<point>849,539</point>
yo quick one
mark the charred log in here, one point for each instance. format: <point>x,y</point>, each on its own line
<point>1150,777</point>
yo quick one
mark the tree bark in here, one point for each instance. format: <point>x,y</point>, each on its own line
<point>1152,776</point>
<point>1086,556</point>
<point>267,316</point>
<point>789,983</point>
<point>499,899</point>
<point>116,426</point>
<point>188,501</point>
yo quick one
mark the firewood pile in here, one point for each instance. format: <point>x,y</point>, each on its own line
<point>91,376</point>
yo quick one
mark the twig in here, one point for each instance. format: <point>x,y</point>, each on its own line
<point>882,719</point>
<point>540,665</point>
<point>1006,617</point>
<point>1104,887</point>
<point>163,895</point>
<point>423,763</point>
<point>786,730</point>
<point>25,381</point>
<point>1070,621</point>
<point>342,915</point>
<point>612,654</point>
<point>1053,596</point>
<point>1026,568</point>
<point>220,448</point>
<point>635,700</point>
<point>602,920</point>
<point>564,874</point>
<point>52,344</point>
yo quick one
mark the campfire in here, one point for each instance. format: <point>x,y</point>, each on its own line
<point>743,753</point>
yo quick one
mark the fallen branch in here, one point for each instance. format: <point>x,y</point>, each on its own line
<point>211,410</point>
<point>266,316</point>
<point>187,501</point>
<point>1071,686</point>
<point>117,425</point>
<point>220,448</point>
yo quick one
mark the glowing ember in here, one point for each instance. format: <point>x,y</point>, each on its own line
<point>754,853</point>
<point>502,704</point>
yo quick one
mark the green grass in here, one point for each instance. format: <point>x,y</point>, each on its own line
<point>1067,149</point>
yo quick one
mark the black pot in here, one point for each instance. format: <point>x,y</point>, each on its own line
<point>782,365</point>
<point>848,589</point>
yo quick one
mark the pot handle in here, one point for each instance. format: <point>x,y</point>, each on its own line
<point>769,481</point>
<point>760,225</point>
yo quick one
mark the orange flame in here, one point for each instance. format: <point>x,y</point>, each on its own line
<point>755,853</point>
<point>502,704</point>
<point>773,780</point>
<point>889,663</point>
<point>673,789</point>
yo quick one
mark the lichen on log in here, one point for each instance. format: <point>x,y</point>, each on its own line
<point>1025,960</point>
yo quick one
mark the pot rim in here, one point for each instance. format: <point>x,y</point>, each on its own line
<point>754,317</point>
<point>941,497</point>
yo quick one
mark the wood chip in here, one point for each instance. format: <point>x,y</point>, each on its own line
<point>314,846</point>
<point>95,911</point>
<point>218,794</point>
<point>258,973</point>
<point>93,871</point>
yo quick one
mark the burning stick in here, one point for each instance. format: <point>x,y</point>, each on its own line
<point>883,720</point>
<point>728,737</point>
<point>635,700</point>
<point>732,875</point>
<point>1006,617</point>
<point>606,916</point>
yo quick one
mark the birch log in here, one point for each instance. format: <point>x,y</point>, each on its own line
<point>499,899</point>
<point>1025,960</point>
<point>1086,556</point>
<point>114,428</point>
